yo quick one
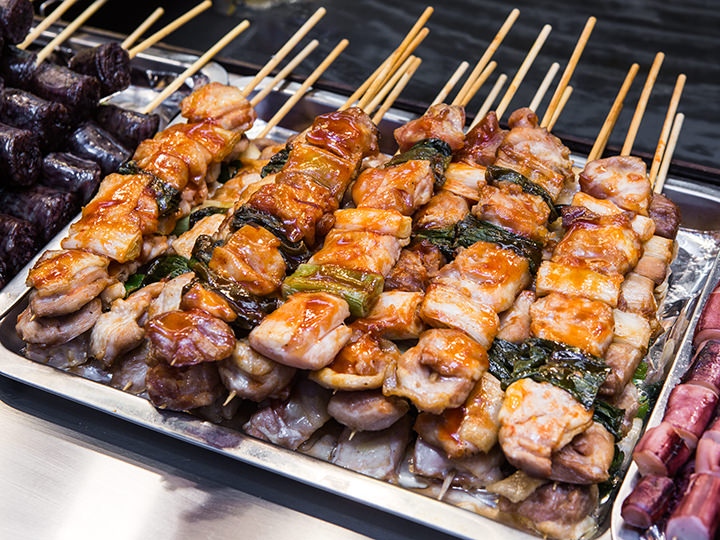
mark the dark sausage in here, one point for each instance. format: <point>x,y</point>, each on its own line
<point>18,242</point>
<point>46,208</point>
<point>92,142</point>
<point>109,63</point>
<point>129,127</point>
<point>16,17</point>
<point>49,121</point>
<point>67,172</point>
<point>20,157</point>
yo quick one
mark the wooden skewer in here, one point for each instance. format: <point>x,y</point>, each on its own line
<point>144,27</point>
<point>484,76</point>
<point>672,109</point>
<point>487,55</point>
<point>169,29</point>
<point>397,90</point>
<point>310,47</point>
<point>667,157</point>
<point>398,56</point>
<point>522,71</point>
<point>544,85</point>
<point>642,103</point>
<point>68,31</point>
<point>563,101</point>
<point>385,90</point>
<point>45,23</point>
<point>404,44</point>
<point>230,397</point>
<point>489,100</point>
<point>607,127</point>
<point>196,66</point>
<point>300,92</point>
<point>284,50</point>
<point>569,69</point>
<point>452,81</point>
<point>421,35</point>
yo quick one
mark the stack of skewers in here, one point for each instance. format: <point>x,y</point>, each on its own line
<point>467,301</point>
<point>59,136</point>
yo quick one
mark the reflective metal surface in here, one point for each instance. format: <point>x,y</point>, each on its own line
<point>68,471</point>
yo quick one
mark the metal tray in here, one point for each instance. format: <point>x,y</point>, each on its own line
<point>695,200</point>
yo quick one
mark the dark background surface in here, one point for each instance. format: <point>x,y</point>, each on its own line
<point>627,31</point>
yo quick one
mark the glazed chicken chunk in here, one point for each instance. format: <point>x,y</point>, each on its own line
<point>402,188</point>
<point>441,121</point>
<point>508,206</point>
<point>439,372</point>
<point>220,103</point>
<point>536,420</point>
<point>306,332</point>
<point>620,179</point>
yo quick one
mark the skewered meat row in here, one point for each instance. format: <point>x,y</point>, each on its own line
<point>119,223</point>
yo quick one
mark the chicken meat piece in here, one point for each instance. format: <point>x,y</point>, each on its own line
<point>643,226</point>
<point>197,296</point>
<point>367,410</point>
<point>170,297</point>
<point>515,322</point>
<point>359,250</point>
<point>220,103</point>
<point>586,459</point>
<point>182,338</point>
<point>181,388</point>
<point>360,365</point>
<point>252,258</point>
<point>578,281</point>
<point>292,421</point>
<point>448,307</point>
<point>252,376</point>
<point>57,330</point>
<point>129,371</point>
<point>348,133</point>
<point>537,420</point>
<point>482,142</point>
<point>385,222</point>
<point>403,188</point>
<point>439,372</point>
<point>222,144</point>
<point>464,180</point>
<point>415,267</point>
<point>444,210</point>
<point>64,356</point>
<point>66,280</point>
<point>374,453</point>
<point>535,153</point>
<point>306,332</point>
<point>605,244</point>
<point>622,359</point>
<point>666,216</point>
<point>620,179</point>
<point>579,322</point>
<point>471,472</point>
<point>509,207</point>
<point>469,429</point>
<point>209,225</point>
<point>441,121</point>
<point>556,510</point>
<point>395,315</point>
<point>488,274</point>
<point>119,330</point>
<point>238,190</point>
<point>637,295</point>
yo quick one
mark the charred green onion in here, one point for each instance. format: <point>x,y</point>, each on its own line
<point>167,197</point>
<point>163,267</point>
<point>229,170</point>
<point>277,162</point>
<point>294,253</point>
<point>443,239</point>
<point>495,175</point>
<point>359,289</point>
<point>610,417</point>
<point>471,230</point>
<point>206,211</point>
<point>436,151</point>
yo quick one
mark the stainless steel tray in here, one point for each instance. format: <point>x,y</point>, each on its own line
<point>334,479</point>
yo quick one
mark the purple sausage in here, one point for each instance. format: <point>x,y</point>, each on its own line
<point>49,210</point>
<point>708,326</point>
<point>648,501</point>
<point>690,408</point>
<point>698,515</point>
<point>20,157</point>
<point>47,120</point>
<point>90,141</point>
<point>67,172</point>
<point>705,369</point>
<point>17,242</point>
<point>16,18</point>
<point>661,451</point>
<point>109,63</point>
<point>129,127</point>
